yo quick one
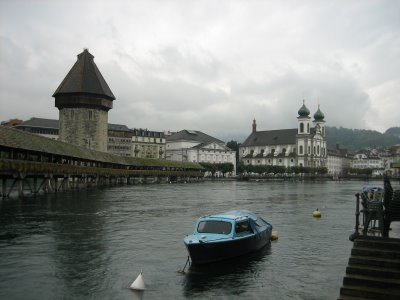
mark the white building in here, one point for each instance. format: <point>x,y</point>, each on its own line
<point>148,144</point>
<point>338,161</point>
<point>367,160</point>
<point>196,146</point>
<point>302,146</point>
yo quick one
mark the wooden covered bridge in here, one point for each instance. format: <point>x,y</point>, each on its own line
<point>30,164</point>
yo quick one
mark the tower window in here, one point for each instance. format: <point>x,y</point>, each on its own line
<point>308,128</point>
<point>300,149</point>
<point>301,127</point>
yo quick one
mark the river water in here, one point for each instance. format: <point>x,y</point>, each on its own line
<point>92,244</point>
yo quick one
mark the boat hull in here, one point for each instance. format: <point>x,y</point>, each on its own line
<point>208,252</point>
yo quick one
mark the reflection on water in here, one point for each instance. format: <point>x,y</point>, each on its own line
<point>79,243</point>
<point>231,274</point>
<point>92,244</point>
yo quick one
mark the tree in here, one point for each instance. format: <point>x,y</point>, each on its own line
<point>225,168</point>
<point>235,147</point>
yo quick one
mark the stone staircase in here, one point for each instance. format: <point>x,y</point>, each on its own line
<point>373,271</point>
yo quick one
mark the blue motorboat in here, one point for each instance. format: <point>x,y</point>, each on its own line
<point>227,235</point>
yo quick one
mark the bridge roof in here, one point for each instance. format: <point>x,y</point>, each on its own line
<point>17,139</point>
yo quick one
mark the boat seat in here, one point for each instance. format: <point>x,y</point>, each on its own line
<point>371,201</point>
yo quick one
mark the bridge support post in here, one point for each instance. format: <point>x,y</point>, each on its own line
<point>21,180</point>
<point>4,188</point>
<point>35,185</point>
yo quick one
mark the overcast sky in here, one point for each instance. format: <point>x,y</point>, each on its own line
<point>211,66</point>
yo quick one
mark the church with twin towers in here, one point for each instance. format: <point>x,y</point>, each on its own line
<point>304,146</point>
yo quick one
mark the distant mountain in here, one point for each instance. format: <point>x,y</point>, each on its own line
<point>393,131</point>
<point>356,139</point>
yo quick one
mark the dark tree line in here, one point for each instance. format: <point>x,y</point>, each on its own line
<point>355,171</point>
<point>268,169</point>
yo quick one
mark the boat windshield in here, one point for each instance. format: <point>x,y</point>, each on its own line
<point>217,227</point>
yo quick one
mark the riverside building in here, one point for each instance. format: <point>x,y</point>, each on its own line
<point>148,144</point>
<point>196,146</point>
<point>302,146</point>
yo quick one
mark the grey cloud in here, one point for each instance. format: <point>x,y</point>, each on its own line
<point>210,66</point>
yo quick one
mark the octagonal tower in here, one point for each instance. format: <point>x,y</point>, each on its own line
<point>83,100</point>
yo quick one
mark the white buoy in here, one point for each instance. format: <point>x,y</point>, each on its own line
<point>138,284</point>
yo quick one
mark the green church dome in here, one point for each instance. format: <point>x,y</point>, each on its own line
<point>319,115</point>
<point>304,111</point>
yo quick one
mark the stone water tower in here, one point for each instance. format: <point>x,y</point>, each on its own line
<point>83,100</point>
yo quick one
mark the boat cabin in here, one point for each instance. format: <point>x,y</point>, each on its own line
<point>233,225</point>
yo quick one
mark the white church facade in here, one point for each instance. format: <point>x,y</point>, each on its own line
<point>302,146</point>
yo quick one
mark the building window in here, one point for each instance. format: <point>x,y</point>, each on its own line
<point>301,127</point>
<point>90,115</point>
<point>300,149</point>
<point>308,128</point>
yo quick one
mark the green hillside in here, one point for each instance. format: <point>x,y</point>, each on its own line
<point>356,139</point>
<point>393,131</point>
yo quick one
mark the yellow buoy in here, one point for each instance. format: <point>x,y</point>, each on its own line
<point>316,214</point>
<point>274,235</point>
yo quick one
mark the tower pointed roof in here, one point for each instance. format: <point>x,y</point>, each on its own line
<point>84,77</point>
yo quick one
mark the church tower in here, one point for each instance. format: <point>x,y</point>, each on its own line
<point>319,121</point>
<point>254,126</point>
<point>83,100</point>
<point>303,120</point>
<point>303,137</point>
<point>319,140</point>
